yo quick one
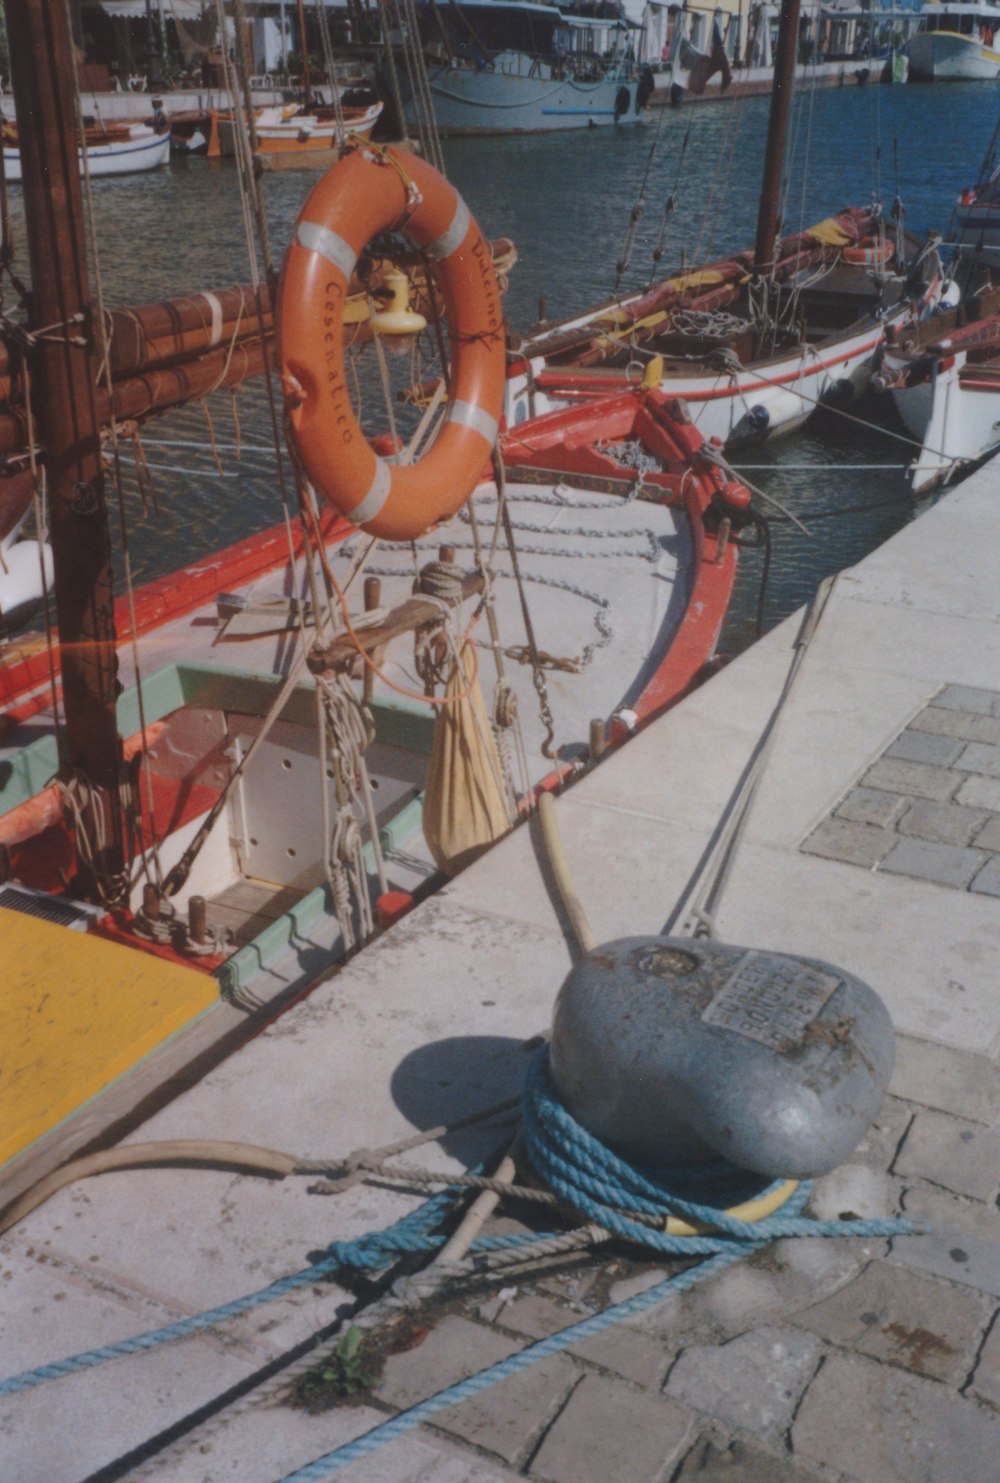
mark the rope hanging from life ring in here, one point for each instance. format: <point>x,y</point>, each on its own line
<point>370,191</point>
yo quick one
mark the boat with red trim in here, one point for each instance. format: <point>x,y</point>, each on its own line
<point>216,788</point>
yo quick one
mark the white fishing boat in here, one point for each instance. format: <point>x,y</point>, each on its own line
<point>521,67</point>
<point>694,335</point>
<point>956,41</point>
<point>944,378</point>
<point>118,149</point>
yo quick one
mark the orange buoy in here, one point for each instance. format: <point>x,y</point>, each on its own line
<point>870,252</point>
<point>369,191</point>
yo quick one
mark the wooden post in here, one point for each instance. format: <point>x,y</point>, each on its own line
<point>64,373</point>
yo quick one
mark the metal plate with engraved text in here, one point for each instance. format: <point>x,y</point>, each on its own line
<point>771,999</point>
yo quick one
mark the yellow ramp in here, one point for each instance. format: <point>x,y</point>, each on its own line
<point>75,1012</point>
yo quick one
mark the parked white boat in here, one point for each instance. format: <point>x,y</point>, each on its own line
<point>119,149</point>
<point>945,382</point>
<point>694,337</point>
<point>496,68</point>
<point>957,40</point>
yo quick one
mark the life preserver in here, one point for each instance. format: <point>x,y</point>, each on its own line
<point>370,191</point>
<point>870,252</point>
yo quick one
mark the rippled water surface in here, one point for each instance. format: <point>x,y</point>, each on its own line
<point>564,200</point>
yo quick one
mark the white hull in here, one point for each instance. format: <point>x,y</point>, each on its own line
<point>956,417</point>
<point>145,150</point>
<point>946,56</point>
<point>467,101</point>
<point>750,405</point>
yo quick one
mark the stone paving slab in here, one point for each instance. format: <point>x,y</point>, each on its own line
<point>958,1240</point>
<point>737,1462</point>
<point>963,1157</point>
<point>919,1324</point>
<point>753,1383</point>
<point>877,1423</point>
<point>939,1077</point>
<point>609,1431</point>
<point>509,1418</point>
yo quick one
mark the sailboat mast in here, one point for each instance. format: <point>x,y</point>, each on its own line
<point>306,84</point>
<point>63,377</point>
<point>777,128</point>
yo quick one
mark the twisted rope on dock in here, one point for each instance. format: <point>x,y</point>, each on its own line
<point>592,1179</point>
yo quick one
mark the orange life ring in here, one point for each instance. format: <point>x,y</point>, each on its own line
<point>370,191</point>
<point>870,252</point>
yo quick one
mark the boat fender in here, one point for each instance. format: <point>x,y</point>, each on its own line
<point>653,374</point>
<point>622,100</point>
<point>759,418</point>
<point>369,191</point>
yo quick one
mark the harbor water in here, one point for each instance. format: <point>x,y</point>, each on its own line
<point>565,199</point>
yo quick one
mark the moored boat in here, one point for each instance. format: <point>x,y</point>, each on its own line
<point>293,128</point>
<point>956,41</point>
<point>756,342</point>
<point>113,149</point>
<point>270,789</point>
<point>520,67</point>
<point>944,379</point>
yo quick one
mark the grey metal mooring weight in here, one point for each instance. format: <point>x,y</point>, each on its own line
<point>674,1051</point>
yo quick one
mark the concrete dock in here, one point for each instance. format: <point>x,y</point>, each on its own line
<point>873,841</point>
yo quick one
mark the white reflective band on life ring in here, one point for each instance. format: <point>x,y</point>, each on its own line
<point>453,238</point>
<point>376,496</point>
<point>467,415</point>
<point>328,244</point>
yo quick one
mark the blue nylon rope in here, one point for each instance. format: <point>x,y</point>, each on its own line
<point>588,1176</point>
<point>585,1175</point>
<point>412,1233</point>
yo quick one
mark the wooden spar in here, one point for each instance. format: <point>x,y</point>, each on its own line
<point>135,398</point>
<point>64,374</point>
<point>777,128</point>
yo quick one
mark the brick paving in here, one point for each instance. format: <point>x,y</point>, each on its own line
<point>929,807</point>
<point>812,1362</point>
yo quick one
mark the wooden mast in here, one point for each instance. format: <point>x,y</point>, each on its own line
<point>64,374</point>
<point>777,128</point>
<point>306,85</point>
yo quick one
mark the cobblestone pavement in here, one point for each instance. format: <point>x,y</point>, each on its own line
<point>929,807</point>
<point>849,1362</point>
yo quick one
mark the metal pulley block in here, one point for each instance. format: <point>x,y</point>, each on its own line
<point>677,1051</point>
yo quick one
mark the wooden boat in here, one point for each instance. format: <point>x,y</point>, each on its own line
<point>244,786</point>
<point>113,149</point>
<point>294,128</point>
<point>756,342</point>
<point>220,645</point>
